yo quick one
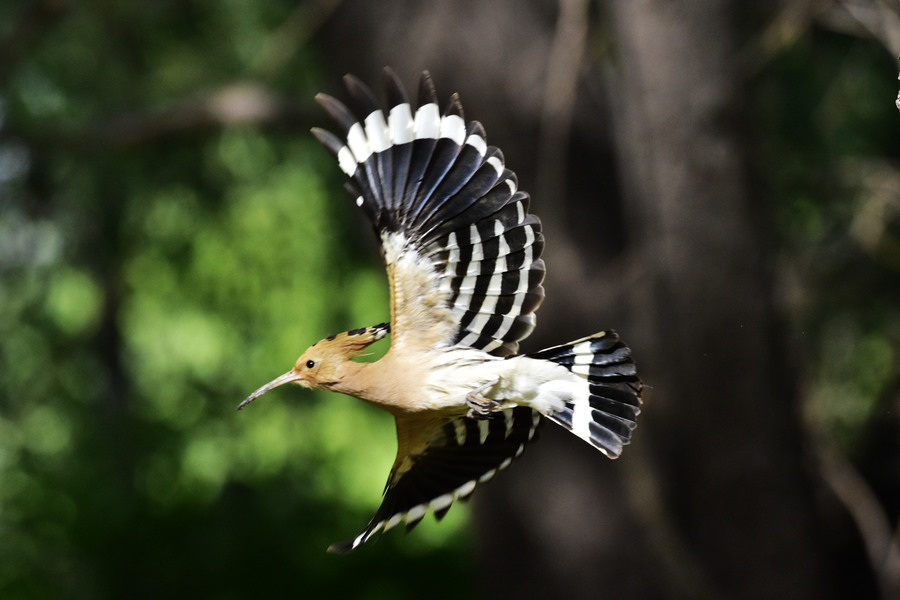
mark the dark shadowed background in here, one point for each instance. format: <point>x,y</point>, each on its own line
<point>718,182</point>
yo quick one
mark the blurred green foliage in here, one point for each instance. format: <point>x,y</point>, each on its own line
<point>831,158</point>
<point>146,289</point>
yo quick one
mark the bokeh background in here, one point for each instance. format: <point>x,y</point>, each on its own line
<point>719,181</point>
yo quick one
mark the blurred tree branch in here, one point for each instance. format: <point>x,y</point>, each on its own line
<point>295,31</point>
<point>881,542</point>
<point>232,104</point>
<point>878,20</point>
<point>560,88</point>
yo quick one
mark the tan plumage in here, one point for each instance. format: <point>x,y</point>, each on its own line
<point>464,271</point>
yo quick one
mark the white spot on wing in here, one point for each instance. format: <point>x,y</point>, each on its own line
<point>492,344</point>
<point>477,142</point>
<point>581,369</point>
<point>583,355</point>
<point>523,286</point>
<point>366,535</point>
<point>401,125</point>
<point>517,305</point>
<point>475,239</point>
<point>477,252</point>
<point>489,304</point>
<point>459,427</point>
<point>470,339</point>
<point>465,489</point>
<point>507,422</point>
<point>527,258</point>
<point>347,161</point>
<point>581,414</point>
<point>479,322</point>
<point>453,258</point>
<point>506,324</point>
<point>441,502</point>
<point>450,243</point>
<point>495,285</point>
<point>504,247</point>
<point>360,539</point>
<point>473,268</point>
<point>415,513</point>
<point>496,163</point>
<point>377,132</point>
<point>356,139</point>
<point>529,236</point>
<point>483,430</point>
<point>428,122</point>
<point>487,476</point>
<point>453,128</point>
<point>392,522</point>
<point>468,283</point>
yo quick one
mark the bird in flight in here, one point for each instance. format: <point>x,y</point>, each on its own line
<point>462,255</point>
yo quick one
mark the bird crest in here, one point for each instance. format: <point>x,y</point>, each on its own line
<point>348,344</point>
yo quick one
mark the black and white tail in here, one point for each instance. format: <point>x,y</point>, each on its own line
<point>604,414</point>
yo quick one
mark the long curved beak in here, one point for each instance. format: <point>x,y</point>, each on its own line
<point>288,377</point>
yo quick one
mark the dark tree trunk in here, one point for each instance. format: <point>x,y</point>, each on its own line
<point>723,416</point>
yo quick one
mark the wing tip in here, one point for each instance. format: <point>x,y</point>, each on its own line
<point>337,111</point>
<point>396,93</point>
<point>454,107</point>
<point>427,91</point>
<point>361,93</point>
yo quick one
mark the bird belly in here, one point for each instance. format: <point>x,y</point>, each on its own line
<point>523,381</point>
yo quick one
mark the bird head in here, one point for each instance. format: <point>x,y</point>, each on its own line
<point>324,364</point>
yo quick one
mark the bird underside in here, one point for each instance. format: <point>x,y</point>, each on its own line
<point>588,386</point>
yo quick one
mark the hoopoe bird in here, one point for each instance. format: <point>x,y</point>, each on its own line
<point>463,259</point>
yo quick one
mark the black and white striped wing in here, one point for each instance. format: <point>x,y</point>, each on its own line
<point>455,455</point>
<point>461,250</point>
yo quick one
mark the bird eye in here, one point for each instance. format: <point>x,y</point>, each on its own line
<point>310,364</point>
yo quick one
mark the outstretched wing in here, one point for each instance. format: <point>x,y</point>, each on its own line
<point>461,250</point>
<point>443,460</point>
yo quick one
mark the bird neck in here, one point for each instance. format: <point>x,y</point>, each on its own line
<point>381,383</point>
<point>352,378</point>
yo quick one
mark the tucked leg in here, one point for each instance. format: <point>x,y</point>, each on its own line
<point>479,406</point>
